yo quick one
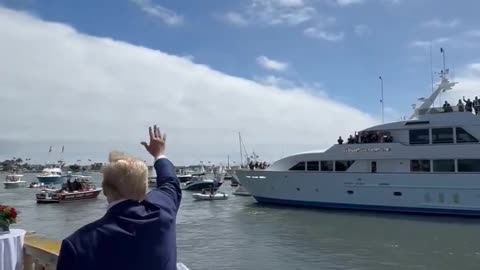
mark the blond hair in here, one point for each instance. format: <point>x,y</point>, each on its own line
<point>125,177</point>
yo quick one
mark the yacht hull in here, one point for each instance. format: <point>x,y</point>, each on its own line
<point>432,193</point>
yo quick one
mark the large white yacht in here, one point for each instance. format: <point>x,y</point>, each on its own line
<point>427,164</point>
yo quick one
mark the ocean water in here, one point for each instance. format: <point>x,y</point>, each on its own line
<point>240,234</point>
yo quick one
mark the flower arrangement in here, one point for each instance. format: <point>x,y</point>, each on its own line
<point>8,216</point>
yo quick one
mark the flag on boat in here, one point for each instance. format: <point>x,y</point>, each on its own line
<point>63,148</point>
<point>441,50</point>
<point>50,149</point>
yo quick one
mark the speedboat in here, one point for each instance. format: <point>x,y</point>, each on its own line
<point>14,181</point>
<point>50,176</point>
<point>428,164</point>
<point>186,175</point>
<point>241,191</point>
<point>36,185</point>
<point>183,178</point>
<point>199,183</point>
<point>152,182</point>
<point>206,196</point>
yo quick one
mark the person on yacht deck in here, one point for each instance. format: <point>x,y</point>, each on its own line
<point>476,105</point>
<point>446,107</point>
<point>460,106</point>
<point>340,140</point>
<point>468,105</point>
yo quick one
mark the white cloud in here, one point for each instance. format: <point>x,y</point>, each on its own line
<point>315,89</point>
<point>235,18</point>
<point>271,65</point>
<point>394,2</point>
<point>280,12</point>
<point>437,23</point>
<point>426,43</point>
<point>473,33</point>
<point>319,33</point>
<point>189,57</point>
<point>164,14</point>
<point>345,3</point>
<point>272,13</point>
<point>100,94</point>
<point>291,3</point>
<point>361,30</point>
<point>475,67</point>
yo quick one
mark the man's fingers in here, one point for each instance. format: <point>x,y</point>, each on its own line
<point>150,131</point>
<point>155,131</point>
<point>159,135</point>
<point>145,144</point>
<point>164,137</point>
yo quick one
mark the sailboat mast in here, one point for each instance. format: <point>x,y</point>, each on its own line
<point>241,152</point>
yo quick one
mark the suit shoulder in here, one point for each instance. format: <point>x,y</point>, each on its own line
<point>86,231</point>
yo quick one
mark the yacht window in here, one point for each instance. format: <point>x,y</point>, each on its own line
<point>469,165</point>
<point>343,165</point>
<point>464,137</point>
<point>373,166</point>
<point>300,166</point>
<point>444,165</point>
<point>326,165</point>
<point>417,123</point>
<point>312,166</point>
<point>419,136</point>
<point>420,165</point>
<point>442,135</point>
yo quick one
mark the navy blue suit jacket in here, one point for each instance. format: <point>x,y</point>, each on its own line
<point>132,235</point>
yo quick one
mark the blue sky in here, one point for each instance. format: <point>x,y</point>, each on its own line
<point>348,68</point>
<point>328,48</point>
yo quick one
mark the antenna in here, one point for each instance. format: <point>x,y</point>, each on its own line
<point>443,74</point>
<point>444,71</point>
<point>431,65</point>
<point>381,98</point>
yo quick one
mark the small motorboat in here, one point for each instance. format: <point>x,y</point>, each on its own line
<point>227,176</point>
<point>199,183</point>
<point>14,181</point>
<point>241,191</point>
<point>207,196</point>
<point>35,185</point>
<point>183,178</point>
<point>152,182</point>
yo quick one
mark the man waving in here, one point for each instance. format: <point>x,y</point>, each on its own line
<point>138,230</point>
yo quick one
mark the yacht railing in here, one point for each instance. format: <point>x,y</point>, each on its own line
<point>41,253</point>
<point>435,110</point>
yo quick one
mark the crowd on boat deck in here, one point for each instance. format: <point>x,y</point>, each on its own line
<point>466,105</point>
<point>258,165</point>
<point>367,137</point>
<point>76,185</point>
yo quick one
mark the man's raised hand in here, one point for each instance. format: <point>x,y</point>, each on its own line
<point>156,147</point>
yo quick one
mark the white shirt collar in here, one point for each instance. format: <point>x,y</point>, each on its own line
<point>160,157</point>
